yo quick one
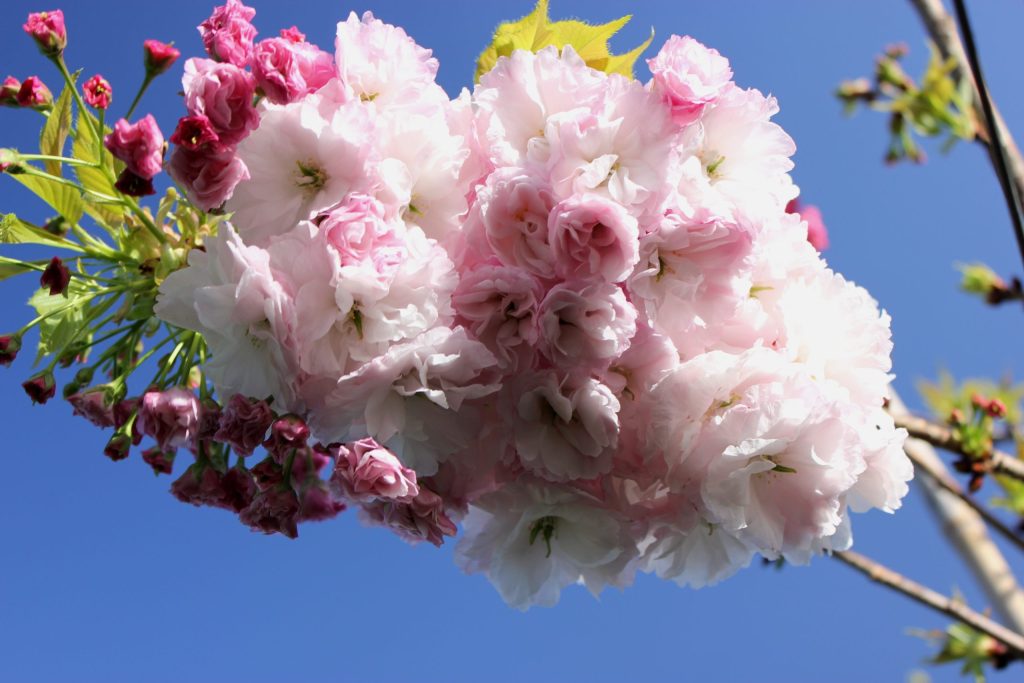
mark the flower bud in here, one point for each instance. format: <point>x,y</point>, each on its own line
<point>171,417</point>
<point>228,33</point>
<point>159,56</point>
<point>56,277</point>
<point>9,92</point>
<point>10,344</point>
<point>91,405</point>
<point>160,460</point>
<point>118,447</point>
<point>286,434</point>
<point>98,92</point>
<point>195,133</point>
<point>40,388</point>
<point>48,30</point>
<point>34,93</point>
<point>244,424</point>
<point>134,185</point>
<point>139,145</point>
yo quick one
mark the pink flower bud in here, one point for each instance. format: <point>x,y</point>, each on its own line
<point>56,277</point>
<point>209,177</point>
<point>317,504</point>
<point>98,92</point>
<point>10,344</point>
<point>159,56</point>
<point>9,92</point>
<point>817,235</point>
<point>195,133</point>
<point>286,70</point>
<point>239,488</point>
<point>293,35</point>
<point>228,33</point>
<point>170,417</point>
<point>160,460</point>
<point>224,94</point>
<point>34,93</point>
<point>422,519</point>
<point>267,473</point>
<point>139,145</point>
<point>199,485</point>
<point>93,407</point>
<point>273,511</point>
<point>40,388</point>
<point>366,471</point>
<point>287,434</point>
<point>244,424</point>
<point>47,29</point>
<point>118,447</point>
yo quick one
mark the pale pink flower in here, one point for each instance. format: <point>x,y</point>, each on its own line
<point>817,233</point>
<point>365,471</point>
<point>514,207</point>
<point>532,540</point>
<point>585,325</point>
<point>688,76</point>
<point>593,237</point>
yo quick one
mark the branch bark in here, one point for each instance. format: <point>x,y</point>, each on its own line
<point>943,437</point>
<point>926,596</point>
<point>966,530</point>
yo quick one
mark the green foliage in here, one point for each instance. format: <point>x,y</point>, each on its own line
<point>940,105</point>
<point>63,317</point>
<point>13,230</point>
<point>65,199</point>
<point>536,31</point>
<point>97,178</point>
<point>944,396</point>
<point>55,132</point>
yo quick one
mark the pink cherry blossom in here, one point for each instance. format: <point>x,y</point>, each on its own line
<point>224,94</point>
<point>365,471</point>
<point>286,70</point>
<point>139,145</point>
<point>228,33</point>
<point>688,76</point>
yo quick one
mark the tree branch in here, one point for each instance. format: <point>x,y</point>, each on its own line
<point>940,436</point>
<point>967,532</point>
<point>948,483</point>
<point>1002,150</point>
<point>926,596</point>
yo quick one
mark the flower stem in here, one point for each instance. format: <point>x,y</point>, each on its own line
<point>138,96</point>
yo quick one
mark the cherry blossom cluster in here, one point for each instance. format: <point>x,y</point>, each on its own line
<point>574,312</point>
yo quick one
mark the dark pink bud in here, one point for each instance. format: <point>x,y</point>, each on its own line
<point>209,178</point>
<point>228,33</point>
<point>171,417</point>
<point>422,519</point>
<point>244,424</point>
<point>195,133</point>
<point>209,419</point>
<point>139,145</point>
<point>10,344</point>
<point>9,92</point>
<point>293,35</point>
<point>287,71</point>
<point>133,185</point>
<point>318,504</point>
<point>287,434</point>
<point>267,473</point>
<point>34,93</point>
<point>273,511</point>
<point>93,407</point>
<point>160,460</point>
<point>40,388</point>
<point>200,484</point>
<point>159,56</point>
<point>56,277</point>
<point>98,92</point>
<point>118,447</point>
<point>47,29</point>
<point>239,488</point>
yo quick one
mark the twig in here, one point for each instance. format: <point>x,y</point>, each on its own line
<point>950,484</point>
<point>966,532</point>
<point>926,596</point>
<point>997,138</point>
<point>997,462</point>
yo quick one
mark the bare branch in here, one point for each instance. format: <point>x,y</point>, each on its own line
<point>926,596</point>
<point>943,437</point>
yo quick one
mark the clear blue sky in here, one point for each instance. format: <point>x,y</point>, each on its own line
<point>105,577</point>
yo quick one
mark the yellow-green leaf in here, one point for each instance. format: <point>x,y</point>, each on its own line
<point>536,31</point>
<point>86,148</point>
<point>13,230</point>
<point>65,199</point>
<point>12,268</point>
<point>55,131</point>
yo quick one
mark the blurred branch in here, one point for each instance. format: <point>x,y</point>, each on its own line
<point>966,530</point>
<point>1003,151</point>
<point>948,483</point>
<point>997,462</point>
<point>926,596</point>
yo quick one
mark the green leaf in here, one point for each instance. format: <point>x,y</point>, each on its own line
<point>10,269</point>
<point>536,31</point>
<point>86,148</point>
<point>13,230</point>
<point>55,132</point>
<point>65,199</point>
<point>65,316</point>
